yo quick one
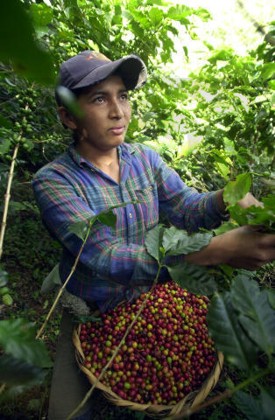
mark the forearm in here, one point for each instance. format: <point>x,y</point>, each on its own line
<point>212,254</point>
<point>242,247</point>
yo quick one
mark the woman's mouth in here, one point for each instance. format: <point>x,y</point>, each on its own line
<point>117,131</point>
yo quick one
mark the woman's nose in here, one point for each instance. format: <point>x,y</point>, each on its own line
<point>116,109</point>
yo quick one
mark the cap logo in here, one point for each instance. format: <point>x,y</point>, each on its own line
<point>96,56</point>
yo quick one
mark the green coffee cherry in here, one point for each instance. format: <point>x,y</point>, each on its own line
<point>4,290</point>
<point>7,300</point>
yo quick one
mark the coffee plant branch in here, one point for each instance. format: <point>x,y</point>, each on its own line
<point>8,190</point>
<point>62,288</point>
<point>7,197</point>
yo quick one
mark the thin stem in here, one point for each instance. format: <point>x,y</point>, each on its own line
<point>7,198</point>
<point>89,393</point>
<point>61,290</point>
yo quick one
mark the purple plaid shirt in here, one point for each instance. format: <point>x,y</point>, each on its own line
<point>114,264</point>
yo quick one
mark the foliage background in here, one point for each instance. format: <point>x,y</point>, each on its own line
<point>210,126</point>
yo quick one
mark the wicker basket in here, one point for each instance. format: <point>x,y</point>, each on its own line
<point>155,411</point>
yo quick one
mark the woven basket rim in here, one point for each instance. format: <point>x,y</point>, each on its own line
<point>194,398</point>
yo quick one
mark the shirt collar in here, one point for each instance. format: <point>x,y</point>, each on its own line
<point>125,152</point>
<point>77,158</point>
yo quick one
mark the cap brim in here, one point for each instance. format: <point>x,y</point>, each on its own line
<point>131,69</point>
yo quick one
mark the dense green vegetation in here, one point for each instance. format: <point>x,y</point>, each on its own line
<point>213,127</point>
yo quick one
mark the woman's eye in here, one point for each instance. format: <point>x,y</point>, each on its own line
<point>99,99</point>
<point>124,96</point>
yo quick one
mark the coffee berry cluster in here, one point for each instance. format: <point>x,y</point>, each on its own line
<point>167,353</point>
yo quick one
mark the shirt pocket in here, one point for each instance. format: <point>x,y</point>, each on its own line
<point>148,206</point>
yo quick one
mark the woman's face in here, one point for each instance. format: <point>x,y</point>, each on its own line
<point>106,114</point>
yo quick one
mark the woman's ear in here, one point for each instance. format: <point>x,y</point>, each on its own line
<point>67,118</point>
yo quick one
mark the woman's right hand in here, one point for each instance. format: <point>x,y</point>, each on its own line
<point>244,247</point>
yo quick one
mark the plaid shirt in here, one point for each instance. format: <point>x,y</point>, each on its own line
<point>114,264</point>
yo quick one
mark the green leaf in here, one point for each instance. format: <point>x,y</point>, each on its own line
<point>239,215</point>
<point>156,16</point>
<point>268,71</point>
<point>180,13</point>
<point>18,45</point>
<point>52,280</point>
<point>4,290</point>
<point>7,299</point>
<point>248,405</point>
<point>41,15</point>
<point>5,123</point>
<point>255,314</point>
<point>3,278</point>
<point>202,13</point>
<point>16,372</point>
<point>196,279</point>
<point>5,145</point>
<point>268,403</point>
<point>80,229</point>
<point>261,216</point>
<point>153,242</point>
<point>269,202</point>
<point>179,242</point>
<point>228,335</point>
<point>259,99</point>
<point>69,101</point>
<point>271,297</point>
<point>234,191</point>
<point>256,215</point>
<point>17,338</point>
<point>108,218</point>
<point>225,227</point>
<point>19,206</point>
<point>223,170</point>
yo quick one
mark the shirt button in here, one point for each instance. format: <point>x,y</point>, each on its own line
<point>130,215</point>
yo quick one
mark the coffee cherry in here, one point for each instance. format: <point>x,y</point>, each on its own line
<point>167,354</point>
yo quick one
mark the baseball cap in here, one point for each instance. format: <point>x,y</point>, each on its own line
<point>90,67</point>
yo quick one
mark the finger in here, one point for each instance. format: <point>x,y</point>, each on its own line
<point>268,240</point>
